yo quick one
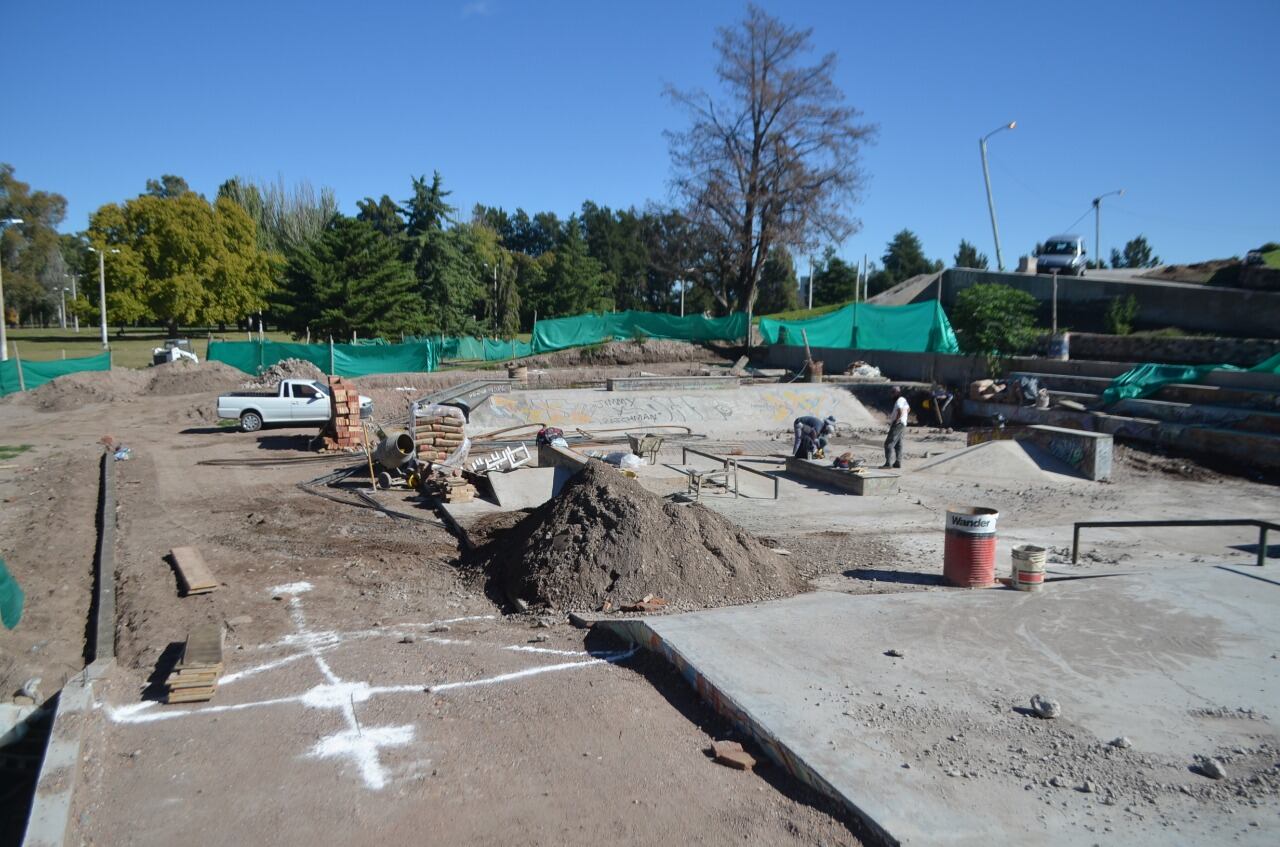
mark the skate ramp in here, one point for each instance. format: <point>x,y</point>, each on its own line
<point>1007,461</point>
<point>720,412</point>
<point>527,488</point>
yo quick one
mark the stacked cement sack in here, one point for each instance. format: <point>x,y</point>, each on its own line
<point>438,434</point>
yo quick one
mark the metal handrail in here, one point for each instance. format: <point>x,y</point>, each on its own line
<point>1263,528</point>
<point>725,460</point>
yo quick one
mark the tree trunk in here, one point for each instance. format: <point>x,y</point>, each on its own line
<point>173,327</point>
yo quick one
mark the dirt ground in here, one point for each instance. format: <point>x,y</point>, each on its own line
<point>324,729</point>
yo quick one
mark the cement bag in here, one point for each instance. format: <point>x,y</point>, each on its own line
<point>436,410</point>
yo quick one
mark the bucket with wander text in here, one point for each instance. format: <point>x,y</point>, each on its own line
<point>969,554</point>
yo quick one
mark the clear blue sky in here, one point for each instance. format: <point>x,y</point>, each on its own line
<point>545,104</point>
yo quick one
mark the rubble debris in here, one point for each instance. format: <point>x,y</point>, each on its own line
<point>732,755</point>
<point>1121,742</point>
<point>449,489</point>
<point>285,369</point>
<point>894,652</point>
<point>195,677</point>
<point>1045,708</point>
<point>1211,767</point>
<point>648,603</point>
<point>605,538</point>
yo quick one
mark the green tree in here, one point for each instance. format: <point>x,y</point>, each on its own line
<point>574,281</point>
<point>182,260</point>
<point>1137,254</point>
<point>994,319</point>
<point>904,258</point>
<point>834,280</point>
<point>383,215</point>
<point>427,210</point>
<point>616,241</point>
<point>286,216</point>
<point>779,288</point>
<point>774,162</point>
<point>351,278</point>
<point>969,257</point>
<point>167,187</point>
<point>1120,315</point>
<point>34,267</point>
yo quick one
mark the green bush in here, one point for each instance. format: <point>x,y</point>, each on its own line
<point>995,320</point>
<point>1120,314</point>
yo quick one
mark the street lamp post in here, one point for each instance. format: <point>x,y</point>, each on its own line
<point>62,307</point>
<point>76,317</point>
<point>986,176</point>
<point>102,290</point>
<point>4,317</point>
<point>1097,224</point>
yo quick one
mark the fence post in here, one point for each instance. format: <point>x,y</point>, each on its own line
<point>22,383</point>
<point>331,355</point>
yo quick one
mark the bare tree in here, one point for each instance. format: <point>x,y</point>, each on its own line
<point>773,163</point>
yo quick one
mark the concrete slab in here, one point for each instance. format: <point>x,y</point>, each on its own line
<point>860,482</point>
<point>932,748</point>
<point>527,488</point>
<point>749,409</point>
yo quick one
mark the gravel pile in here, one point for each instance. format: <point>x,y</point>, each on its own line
<point>285,369</point>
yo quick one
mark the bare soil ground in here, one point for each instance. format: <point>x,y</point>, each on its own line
<point>348,713</point>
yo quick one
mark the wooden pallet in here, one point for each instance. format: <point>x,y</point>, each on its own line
<point>193,573</point>
<point>195,677</point>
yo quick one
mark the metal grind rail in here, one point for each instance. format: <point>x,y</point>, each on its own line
<point>1263,528</point>
<point>727,460</point>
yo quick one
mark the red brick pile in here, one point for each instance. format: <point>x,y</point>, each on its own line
<point>344,431</point>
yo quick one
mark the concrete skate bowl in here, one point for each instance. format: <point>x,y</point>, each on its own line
<point>720,412</point>
<point>1000,461</point>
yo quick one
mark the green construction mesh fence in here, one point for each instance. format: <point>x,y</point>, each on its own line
<point>1145,380</point>
<point>914,328</point>
<point>14,375</point>
<point>581,330</point>
<point>341,359</point>
<point>10,598</point>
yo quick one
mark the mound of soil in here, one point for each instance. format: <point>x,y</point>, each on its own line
<point>187,377</point>
<point>606,538</point>
<point>626,353</point>
<point>86,388</point>
<point>285,369</point>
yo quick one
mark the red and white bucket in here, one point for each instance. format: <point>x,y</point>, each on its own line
<point>969,556</point>
<point>1028,567</point>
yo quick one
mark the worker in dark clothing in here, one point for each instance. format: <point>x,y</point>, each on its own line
<point>811,435</point>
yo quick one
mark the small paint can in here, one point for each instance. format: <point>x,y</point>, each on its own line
<point>1028,567</point>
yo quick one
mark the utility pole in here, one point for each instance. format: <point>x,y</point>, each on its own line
<point>1097,225</point>
<point>102,290</point>
<point>4,317</point>
<point>986,176</point>
<point>76,317</point>
<point>811,281</point>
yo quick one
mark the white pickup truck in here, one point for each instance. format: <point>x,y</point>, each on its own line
<point>295,401</point>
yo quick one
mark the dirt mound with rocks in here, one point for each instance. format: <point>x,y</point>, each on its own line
<point>85,388</point>
<point>187,377</point>
<point>605,538</point>
<point>627,353</point>
<point>285,369</point>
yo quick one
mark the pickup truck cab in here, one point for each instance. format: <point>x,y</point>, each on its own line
<point>299,402</point>
<point>1063,254</point>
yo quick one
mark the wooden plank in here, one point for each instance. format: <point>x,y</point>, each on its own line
<point>191,695</point>
<point>204,645</point>
<point>193,573</point>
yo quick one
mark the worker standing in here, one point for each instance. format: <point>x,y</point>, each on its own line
<point>897,426</point>
<point>811,434</point>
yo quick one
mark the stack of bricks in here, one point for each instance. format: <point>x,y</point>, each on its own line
<point>451,489</point>
<point>436,437</point>
<point>344,430</point>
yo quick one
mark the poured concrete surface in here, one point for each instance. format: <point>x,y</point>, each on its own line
<point>1165,658</point>
<point>745,409</point>
<point>527,488</point>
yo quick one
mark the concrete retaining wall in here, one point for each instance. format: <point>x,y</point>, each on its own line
<point>1088,452</point>
<point>671,383</point>
<point>1242,352</point>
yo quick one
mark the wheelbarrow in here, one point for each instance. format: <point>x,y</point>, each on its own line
<point>646,446</point>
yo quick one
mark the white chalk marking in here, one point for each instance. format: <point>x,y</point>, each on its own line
<point>525,648</point>
<point>265,666</point>
<point>507,677</point>
<point>120,715</point>
<point>336,695</point>
<point>361,746</point>
<point>292,588</point>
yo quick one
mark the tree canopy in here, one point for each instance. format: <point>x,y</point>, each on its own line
<point>967,256</point>
<point>1137,254</point>
<point>35,265</point>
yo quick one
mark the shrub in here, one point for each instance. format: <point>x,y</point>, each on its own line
<point>994,319</point>
<point>1120,314</point>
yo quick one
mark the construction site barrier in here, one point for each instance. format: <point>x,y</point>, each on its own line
<point>346,360</point>
<point>914,328</point>
<point>1145,380</point>
<point>17,375</point>
<point>1263,528</point>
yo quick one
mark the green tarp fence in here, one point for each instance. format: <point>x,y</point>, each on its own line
<point>347,359</point>
<point>914,328</point>
<point>468,348</point>
<point>581,330</point>
<point>36,374</point>
<point>1145,380</point>
<point>10,598</point>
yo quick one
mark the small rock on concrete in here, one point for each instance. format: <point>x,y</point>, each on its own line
<point>439,627</point>
<point>1045,708</point>
<point>1212,768</point>
<point>895,653</point>
<point>408,639</point>
<point>1089,787</point>
<point>1121,741</point>
<point>730,754</point>
<point>538,639</point>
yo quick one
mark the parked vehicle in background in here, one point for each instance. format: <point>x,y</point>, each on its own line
<point>1063,254</point>
<point>299,402</point>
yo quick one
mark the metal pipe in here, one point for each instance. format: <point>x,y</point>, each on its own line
<point>1263,528</point>
<point>684,459</point>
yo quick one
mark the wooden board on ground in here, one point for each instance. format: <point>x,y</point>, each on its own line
<point>204,646</point>
<point>193,573</point>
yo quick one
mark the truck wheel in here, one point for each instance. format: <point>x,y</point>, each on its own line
<point>250,422</point>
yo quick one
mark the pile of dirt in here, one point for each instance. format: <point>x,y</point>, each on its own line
<point>627,353</point>
<point>605,538</point>
<point>285,369</point>
<point>187,377</point>
<point>85,388</point>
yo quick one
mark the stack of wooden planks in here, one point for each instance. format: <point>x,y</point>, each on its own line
<point>437,436</point>
<point>193,574</point>
<point>344,430</point>
<point>195,677</point>
<point>451,489</point>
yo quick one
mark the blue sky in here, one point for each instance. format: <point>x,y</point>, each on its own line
<point>545,104</point>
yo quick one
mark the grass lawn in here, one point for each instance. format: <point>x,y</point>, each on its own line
<point>1272,259</point>
<point>132,350</point>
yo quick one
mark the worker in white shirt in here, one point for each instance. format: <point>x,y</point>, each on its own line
<point>897,426</point>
